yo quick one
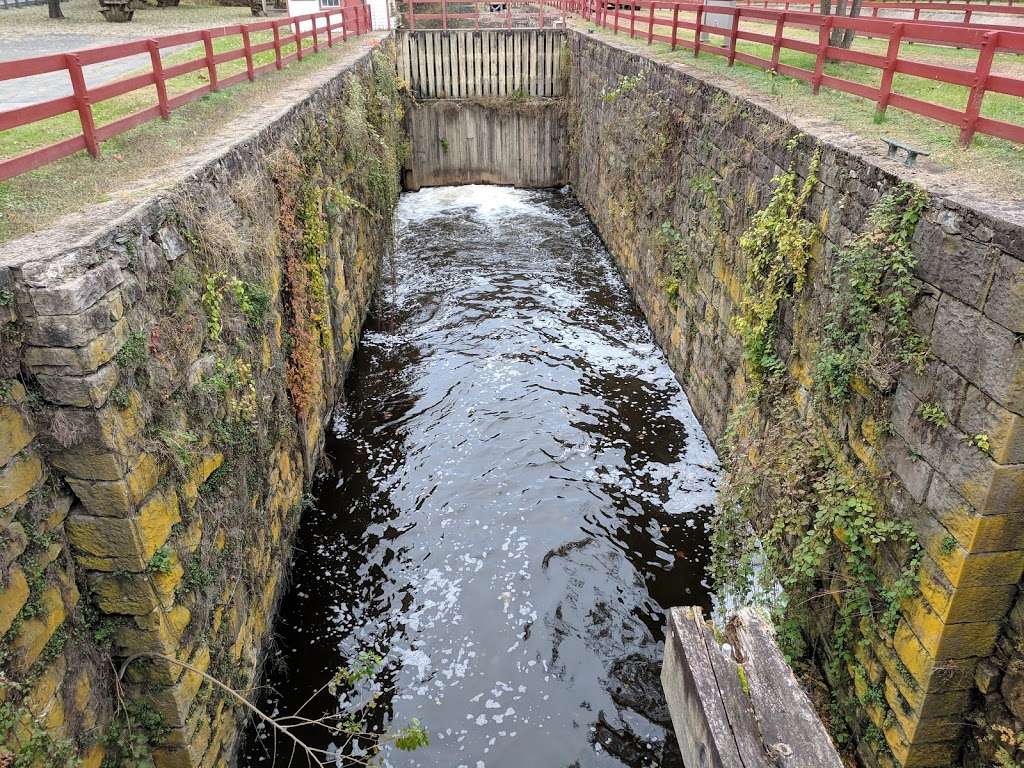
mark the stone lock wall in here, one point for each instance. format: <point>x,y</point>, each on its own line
<point>165,376</point>
<point>655,147</point>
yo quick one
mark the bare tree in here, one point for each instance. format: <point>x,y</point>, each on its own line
<point>55,11</point>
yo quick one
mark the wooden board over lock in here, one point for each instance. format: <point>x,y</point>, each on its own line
<point>743,708</point>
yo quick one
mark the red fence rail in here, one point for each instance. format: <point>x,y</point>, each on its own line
<point>323,27</point>
<point>916,8</point>
<point>682,25</point>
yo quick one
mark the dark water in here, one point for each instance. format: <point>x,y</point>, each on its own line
<point>519,489</point>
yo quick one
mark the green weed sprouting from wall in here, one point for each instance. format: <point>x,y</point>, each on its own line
<point>800,531</point>
<point>671,242</point>
<point>778,245</point>
<point>868,328</point>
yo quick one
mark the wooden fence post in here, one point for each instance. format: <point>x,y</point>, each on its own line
<point>969,124</point>
<point>891,54</point>
<point>277,45</point>
<point>675,25</point>
<point>158,77</point>
<point>733,35</point>
<point>632,20</point>
<point>650,24</point>
<point>316,40</point>
<point>74,65</point>
<point>819,62</point>
<point>298,40</point>
<point>211,65</point>
<point>697,30</point>
<point>247,47</point>
<point>330,32</point>
<point>780,22</point>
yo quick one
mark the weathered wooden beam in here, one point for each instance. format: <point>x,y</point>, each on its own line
<point>751,714</point>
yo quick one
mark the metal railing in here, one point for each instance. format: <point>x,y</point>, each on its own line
<point>323,27</point>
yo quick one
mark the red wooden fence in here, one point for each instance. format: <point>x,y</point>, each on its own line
<point>682,25</point>
<point>323,27</point>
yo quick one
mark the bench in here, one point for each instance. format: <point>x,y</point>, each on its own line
<point>912,153</point>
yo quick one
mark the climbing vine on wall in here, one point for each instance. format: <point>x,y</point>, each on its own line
<point>800,528</point>
<point>778,245</point>
<point>868,331</point>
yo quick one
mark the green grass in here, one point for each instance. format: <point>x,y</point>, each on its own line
<point>36,199</point>
<point>35,135</point>
<point>996,162</point>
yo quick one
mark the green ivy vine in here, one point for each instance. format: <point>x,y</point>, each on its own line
<point>868,328</point>
<point>778,245</point>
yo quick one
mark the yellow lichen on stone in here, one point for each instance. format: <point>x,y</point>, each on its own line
<point>12,598</point>
<point>19,477</point>
<point>34,633</point>
<point>16,431</point>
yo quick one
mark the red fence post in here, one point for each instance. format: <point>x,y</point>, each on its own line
<point>277,45</point>
<point>697,30</point>
<point>82,101</point>
<point>247,46</point>
<point>675,25</point>
<point>616,18</point>
<point>733,35</point>
<point>316,39</point>
<point>650,24</point>
<point>298,40</point>
<point>444,15</point>
<point>891,55</point>
<point>211,65</point>
<point>780,22</point>
<point>158,77</point>
<point>330,33</point>
<point>989,44</point>
<point>632,20</point>
<point>819,62</point>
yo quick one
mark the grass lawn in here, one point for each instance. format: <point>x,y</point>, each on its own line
<point>997,163</point>
<point>15,141</point>
<point>36,199</point>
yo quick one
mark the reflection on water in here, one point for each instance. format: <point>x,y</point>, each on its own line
<point>519,489</point>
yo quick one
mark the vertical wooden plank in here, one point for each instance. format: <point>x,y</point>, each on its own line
<point>819,64</point>
<point>456,42</point>
<point>471,63</point>
<point>446,67</point>
<point>500,39</point>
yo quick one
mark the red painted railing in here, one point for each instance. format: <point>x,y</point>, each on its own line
<point>965,9</point>
<point>682,25</point>
<point>324,27</point>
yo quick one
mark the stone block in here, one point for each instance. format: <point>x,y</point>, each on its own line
<point>106,543</point>
<point>975,532</point>
<point>34,633</point>
<point>19,477</point>
<point>156,632</point>
<point>45,688</point>
<point>982,415</point>
<point>1005,304</point>
<point>75,330</point>
<point>956,265</point>
<point>77,360</point>
<point>120,498</point>
<point>16,430</point>
<point>77,294</point>
<point>123,593</point>
<point>89,391</point>
<point>87,463</point>
<point>986,352</point>
<point>12,598</point>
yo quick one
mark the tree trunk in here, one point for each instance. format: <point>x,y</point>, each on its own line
<point>55,11</point>
<point>849,34</point>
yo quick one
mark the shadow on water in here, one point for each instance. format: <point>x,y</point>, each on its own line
<point>518,490</point>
